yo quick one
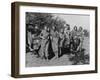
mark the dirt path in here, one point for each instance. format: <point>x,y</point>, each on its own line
<point>32,61</point>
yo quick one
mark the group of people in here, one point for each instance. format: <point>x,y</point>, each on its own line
<point>62,41</point>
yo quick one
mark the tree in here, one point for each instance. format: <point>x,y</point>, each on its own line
<point>42,19</point>
<point>86,33</point>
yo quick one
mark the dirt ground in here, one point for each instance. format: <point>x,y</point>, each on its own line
<point>33,61</point>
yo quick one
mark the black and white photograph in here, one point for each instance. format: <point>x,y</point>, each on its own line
<point>52,39</point>
<point>57,39</point>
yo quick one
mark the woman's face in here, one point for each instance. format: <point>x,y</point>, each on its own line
<point>68,27</point>
<point>53,28</point>
<point>80,28</point>
<point>36,27</point>
<point>48,29</point>
<point>45,27</point>
<point>62,30</point>
<point>75,28</point>
<point>65,30</point>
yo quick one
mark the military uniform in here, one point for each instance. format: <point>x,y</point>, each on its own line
<point>74,40</point>
<point>54,35</point>
<point>44,46</point>
<point>81,37</point>
<point>29,39</point>
<point>60,43</point>
<point>67,37</point>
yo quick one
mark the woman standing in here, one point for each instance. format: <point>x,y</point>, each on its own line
<point>81,37</point>
<point>60,41</point>
<point>44,38</point>
<point>29,34</point>
<point>54,35</point>
<point>66,43</point>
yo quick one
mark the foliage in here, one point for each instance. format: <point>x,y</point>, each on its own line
<point>43,19</point>
<point>86,33</point>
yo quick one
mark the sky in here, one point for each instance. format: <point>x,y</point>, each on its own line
<point>78,20</point>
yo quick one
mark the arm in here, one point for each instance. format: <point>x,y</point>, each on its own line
<point>78,48</point>
<point>41,35</point>
<point>80,45</point>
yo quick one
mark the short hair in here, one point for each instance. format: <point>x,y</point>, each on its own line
<point>80,28</point>
<point>68,26</point>
<point>75,27</point>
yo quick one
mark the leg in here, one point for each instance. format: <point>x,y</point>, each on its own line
<point>41,51</point>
